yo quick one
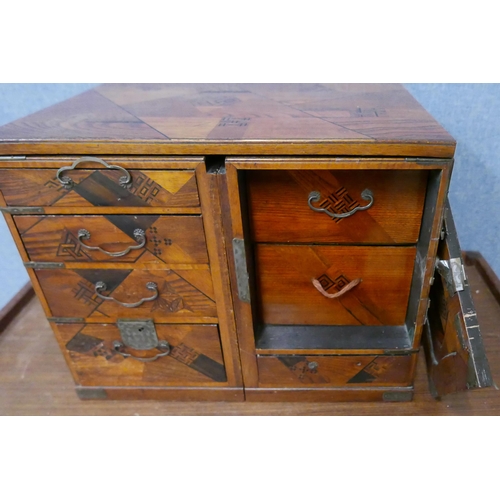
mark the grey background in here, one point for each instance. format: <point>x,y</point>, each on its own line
<point>470,112</point>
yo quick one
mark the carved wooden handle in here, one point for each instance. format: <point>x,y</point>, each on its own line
<point>344,290</point>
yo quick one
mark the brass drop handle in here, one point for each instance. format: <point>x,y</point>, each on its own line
<point>68,183</point>
<point>315,196</point>
<point>162,346</point>
<point>139,235</point>
<point>344,290</point>
<point>100,286</point>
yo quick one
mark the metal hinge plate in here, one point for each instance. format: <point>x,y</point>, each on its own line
<point>453,272</point>
<point>56,319</point>
<point>44,265</point>
<point>22,210</point>
<point>12,158</point>
<point>240,263</point>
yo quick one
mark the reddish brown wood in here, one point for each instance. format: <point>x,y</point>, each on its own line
<point>195,358</point>
<point>169,240</point>
<point>183,295</point>
<point>287,295</point>
<point>279,210</point>
<point>345,371</point>
<point>95,187</point>
<point>361,119</point>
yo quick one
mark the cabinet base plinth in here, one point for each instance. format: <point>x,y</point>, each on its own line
<point>334,395</point>
<point>234,394</point>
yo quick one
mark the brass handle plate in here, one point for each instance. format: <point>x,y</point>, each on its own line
<point>68,183</point>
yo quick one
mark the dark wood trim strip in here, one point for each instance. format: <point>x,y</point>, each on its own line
<point>15,305</point>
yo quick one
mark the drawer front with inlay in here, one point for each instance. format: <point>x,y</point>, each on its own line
<point>96,295</point>
<point>140,239</point>
<point>186,355</point>
<point>348,371</point>
<point>99,187</point>
<point>336,206</point>
<point>333,285</point>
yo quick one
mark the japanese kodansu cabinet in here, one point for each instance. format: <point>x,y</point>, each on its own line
<point>228,242</point>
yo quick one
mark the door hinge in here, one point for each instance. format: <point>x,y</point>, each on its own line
<point>44,265</point>
<point>22,210</point>
<point>453,272</point>
<point>240,263</point>
<point>12,158</point>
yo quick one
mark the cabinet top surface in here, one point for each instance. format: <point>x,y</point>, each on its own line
<point>224,119</point>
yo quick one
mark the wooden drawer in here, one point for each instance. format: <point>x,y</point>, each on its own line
<point>195,357</point>
<point>182,295</point>
<point>349,371</point>
<point>163,239</point>
<point>279,210</point>
<point>95,186</point>
<point>287,296</point>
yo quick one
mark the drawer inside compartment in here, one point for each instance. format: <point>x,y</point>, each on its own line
<point>152,238</point>
<point>336,206</point>
<point>179,355</point>
<point>348,371</point>
<point>96,295</point>
<point>332,285</point>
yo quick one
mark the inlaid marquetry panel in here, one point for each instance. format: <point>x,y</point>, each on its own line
<point>279,209</point>
<point>99,188</point>
<point>183,295</point>
<point>195,357</point>
<point>348,371</point>
<point>168,239</point>
<point>286,295</point>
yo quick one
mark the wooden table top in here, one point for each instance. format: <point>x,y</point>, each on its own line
<point>224,119</point>
<point>34,378</point>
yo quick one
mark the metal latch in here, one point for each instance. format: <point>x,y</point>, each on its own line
<point>453,273</point>
<point>139,335</point>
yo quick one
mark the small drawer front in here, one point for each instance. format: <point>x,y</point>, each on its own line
<point>114,238</point>
<point>180,296</point>
<point>99,188</point>
<point>283,209</point>
<point>349,371</point>
<point>287,296</point>
<point>194,356</point>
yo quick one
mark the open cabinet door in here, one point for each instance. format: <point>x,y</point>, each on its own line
<point>454,350</point>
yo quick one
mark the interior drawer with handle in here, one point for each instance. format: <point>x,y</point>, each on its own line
<point>114,238</point>
<point>336,206</point>
<point>93,182</point>
<point>350,371</point>
<point>333,285</point>
<point>142,353</point>
<point>97,295</point>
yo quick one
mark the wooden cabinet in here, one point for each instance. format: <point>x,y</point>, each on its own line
<point>230,242</point>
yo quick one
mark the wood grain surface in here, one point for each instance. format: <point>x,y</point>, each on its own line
<point>184,295</point>
<point>287,296</point>
<point>361,119</point>
<point>169,239</point>
<point>35,380</point>
<point>99,188</point>
<point>279,209</point>
<point>195,357</point>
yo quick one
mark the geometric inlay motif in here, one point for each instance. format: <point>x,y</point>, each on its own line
<point>86,294</point>
<point>184,354</point>
<point>339,202</point>
<point>168,300</point>
<point>71,246</point>
<point>338,283</point>
<point>54,184</point>
<point>144,188</point>
<point>153,230</point>
<point>370,372</point>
